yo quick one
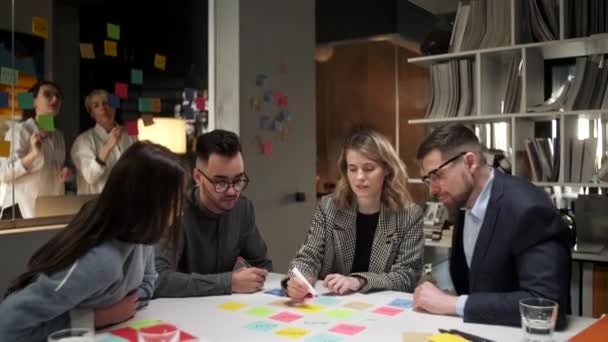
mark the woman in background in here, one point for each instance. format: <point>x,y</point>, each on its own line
<point>100,268</point>
<point>37,163</point>
<point>367,235</point>
<point>97,149</point>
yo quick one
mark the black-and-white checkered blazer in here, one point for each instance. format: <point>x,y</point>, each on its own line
<point>396,259</point>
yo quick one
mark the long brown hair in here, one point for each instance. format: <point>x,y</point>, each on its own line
<point>140,203</point>
<point>35,89</point>
<point>378,148</point>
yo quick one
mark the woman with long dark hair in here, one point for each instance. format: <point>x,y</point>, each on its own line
<point>100,268</point>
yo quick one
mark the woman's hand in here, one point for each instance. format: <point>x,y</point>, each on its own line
<point>118,312</point>
<point>35,144</point>
<point>297,289</point>
<point>342,284</point>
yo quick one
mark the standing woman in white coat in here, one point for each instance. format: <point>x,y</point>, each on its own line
<point>37,162</point>
<point>97,149</point>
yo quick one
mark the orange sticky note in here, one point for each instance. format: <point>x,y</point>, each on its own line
<point>40,27</point>
<point>5,148</point>
<point>110,48</point>
<point>160,61</point>
<point>148,119</point>
<point>155,105</point>
<point>87,51</point>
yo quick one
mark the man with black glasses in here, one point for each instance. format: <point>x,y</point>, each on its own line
<point>217,229</point>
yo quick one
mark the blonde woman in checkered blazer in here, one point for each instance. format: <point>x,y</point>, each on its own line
<point>367,235</point>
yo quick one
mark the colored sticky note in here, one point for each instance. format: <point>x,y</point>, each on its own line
<point>280,99</point>
<point>112,338</point>
<point>113,31</point>
<point>148,119</point>
<point>267,148</point>
<point>416,336</point>
<point>387,311</point>
<point>110,48</point>
<point>259,80</point>
<point>327,300</point>
<point>8,76</point>
<point>339,313</point>
<point>143,324</point>
<point>129,334</point>
<point>276,292</point>
<point>310,308</point>
<point>268,96</point>
<point>114,101</point>
<point>277,125</point>
<point>286,303</point>
<point>347,329</point>
<point>445,337</point>
<point>3,99</point>
<point>87,51</point>
<point>260,311</point>
<point>5,148</point>
<point>46,122</point>
<point>121,90</point>
<point>40,27</point>
<point>131,127</point>
<point>286,317</point>
<point>155,105</point>
<point>255,104</point>
<point>201,103</point>
<point>137,76</point>
<point>232,306</point>
<point>26,100</point>
<point>324,338</point>
<point>160,61</point>
<point>261,326</point>
<point>143,104</point>
<point>264,122</point>
<point>401,303</point>
<point>292,332</point>
<point>358,305</point>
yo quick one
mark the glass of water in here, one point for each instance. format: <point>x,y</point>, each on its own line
<point>158,333</point>
<point>72,335</point>
<point>538,317</point>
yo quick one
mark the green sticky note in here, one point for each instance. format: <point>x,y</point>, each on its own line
<point>26,100</point>
<point>339,313</point>
<point>144,104</point>
<point>260,311</point>
<point>8,76</point>
<point>137,76</point>
<point>143,324</point>
<point>113,31</point>
<point>46,122</point>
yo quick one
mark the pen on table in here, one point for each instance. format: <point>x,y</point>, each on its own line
<point>471,337</point>
<point>300,276</point>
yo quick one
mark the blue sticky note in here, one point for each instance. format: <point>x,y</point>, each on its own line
<point>276,292</point>
<point>259,80</point>
<point>137,76</point>
<point>114,101</point>
<point>268,96</point>
<point>143,104</point>
<point>261,326</point>
<point>264,122</point>
<point>113,338</point>
<point>401,303</point>
<point>3,100</point>
<point>324,338</point>
<point>26,100</point>
<point>190,94</point>
<point>327,301</point>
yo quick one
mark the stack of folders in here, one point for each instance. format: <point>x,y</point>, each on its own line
<point>540,20</point>
<point>586,87</point>
<point>511,100</point>
<point>542,159</point>
<point>583,160</point>
<point>481,24</point>
<point>585,17</point>
<point>453,89</point>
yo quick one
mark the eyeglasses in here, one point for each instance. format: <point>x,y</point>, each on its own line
<point>221,186</point>
<point>433,175</point>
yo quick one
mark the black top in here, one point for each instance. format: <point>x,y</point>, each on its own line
<point>366,228</point>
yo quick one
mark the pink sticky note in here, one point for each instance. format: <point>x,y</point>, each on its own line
<point>121,90</point>
<point>286,317</point>
<point>387,311</point>
<point>128,334</point>
<point>347,329</point>
<point>131,127</point>
<point>280,99</point>
<point>267,148</point>
<point>201,103</point>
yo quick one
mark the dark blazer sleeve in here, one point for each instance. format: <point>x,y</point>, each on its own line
<point>542,258</point>
<point>253,247</point>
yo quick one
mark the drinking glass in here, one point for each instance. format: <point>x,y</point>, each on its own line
<point>538,316</point>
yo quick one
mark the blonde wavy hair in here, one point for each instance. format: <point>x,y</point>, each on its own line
<point>378,148</point>
<point>89,98</point>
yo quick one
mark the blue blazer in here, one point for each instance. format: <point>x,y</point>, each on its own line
<point>522,251</point>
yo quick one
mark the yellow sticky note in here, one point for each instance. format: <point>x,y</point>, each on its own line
<point>292,332</point>
<point>160,61</point>
<point>358,305</point>
<point>416,336</point>
<point>110,48</point>
<point>40,27</point>
<point>445,337</point>
<point>232,306</point>
<point>310,308</point>
<point>5,148</point>
<point>87,51</point>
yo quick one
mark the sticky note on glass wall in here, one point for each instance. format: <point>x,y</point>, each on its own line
<point>267,148</point>
<point>131,127</point>
<point>137,76</point>
<point>160,61</point>
<point>87,51</point>
<point>143,104</point>
<point>148,119</point>
<point>155,105</point>
<point>110,48</point>
<point>46,122</point>
<point>201,103</point>
<point>113,31</point>
<point>5,148</point>
<point>8,76</point>
<point>40,27</point>
<point>26,100</point>
<point>121,90</point>
<point>3,99</point>
<point>114,101</point>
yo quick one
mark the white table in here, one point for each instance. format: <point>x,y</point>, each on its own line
<point>201,317</point>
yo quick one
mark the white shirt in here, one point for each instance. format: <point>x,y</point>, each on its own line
<point>43,178</point>
<point>91,176</point>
